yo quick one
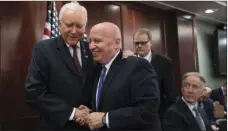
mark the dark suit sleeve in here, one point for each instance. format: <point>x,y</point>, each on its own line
<point>168,84</point>
<point>213,96</point>
<point>144,93</point>
<point>173,122</point>
<point>52,107</point>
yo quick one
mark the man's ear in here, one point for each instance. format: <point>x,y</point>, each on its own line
<point>118,43</point>
<point>150,43</point>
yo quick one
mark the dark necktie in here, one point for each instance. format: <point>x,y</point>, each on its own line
<point>100,84</point>
<point>76,61</point>
<point>199,119</point>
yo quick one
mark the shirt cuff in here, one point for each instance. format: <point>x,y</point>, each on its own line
<point>72,114</point>
<point>107,121</point>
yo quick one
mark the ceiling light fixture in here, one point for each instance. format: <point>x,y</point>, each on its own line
<point>209,11</point>
<point>187,16</point>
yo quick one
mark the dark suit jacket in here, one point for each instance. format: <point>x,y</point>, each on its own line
<point>163,68</point>
<point>217,95</point>
<point>54,85</point>
<point>180,118</point>
<point>130,95</point>
<point>208,108</point>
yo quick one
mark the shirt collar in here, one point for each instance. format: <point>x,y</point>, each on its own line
<point>108,65</point>
<point>148,56</point>
<point>190,106</point>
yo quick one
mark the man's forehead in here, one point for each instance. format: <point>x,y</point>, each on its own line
<point>101,31</point>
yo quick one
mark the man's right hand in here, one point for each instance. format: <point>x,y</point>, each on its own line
<point>81,114</point>
<point>83,107</point>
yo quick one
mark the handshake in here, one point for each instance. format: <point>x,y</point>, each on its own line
<point>85,117</point>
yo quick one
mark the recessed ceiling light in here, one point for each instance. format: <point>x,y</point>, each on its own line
<point>187,16</point>
<point>209,11</point>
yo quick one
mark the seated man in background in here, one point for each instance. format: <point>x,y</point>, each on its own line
<point>206,103</point>
<point>185,114</point>
<point>220,95</point>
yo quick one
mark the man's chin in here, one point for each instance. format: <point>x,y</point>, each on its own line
<point>191,101</point>
<point>72,42</point>
<point>96,59</point>
<point>140,53</point>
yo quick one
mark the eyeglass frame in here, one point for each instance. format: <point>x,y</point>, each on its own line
<point>142,43</point>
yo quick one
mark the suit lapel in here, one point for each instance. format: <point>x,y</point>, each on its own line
<point>66,56</point>
<point>111,74</point>
<point>153,58</point>
<point>84,55</point>
<point>188,114</point>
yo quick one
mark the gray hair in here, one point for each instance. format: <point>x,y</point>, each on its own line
<point>75,6</point>
<point>194,74</point>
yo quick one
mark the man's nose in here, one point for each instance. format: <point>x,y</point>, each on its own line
<point>74,29</point>
<point>139,45</point>
<point>190,89</point>
<point>91,46</point>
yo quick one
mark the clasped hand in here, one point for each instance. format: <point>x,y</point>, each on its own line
<point>85,117</point>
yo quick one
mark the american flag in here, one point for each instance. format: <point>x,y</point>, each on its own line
<point>51,29</point>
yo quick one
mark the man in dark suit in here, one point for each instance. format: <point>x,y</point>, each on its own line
<point>142,40</point>
<point>126,93</point>
<point>185,114</point>
<point>60,73</point>
<point>220,95</point>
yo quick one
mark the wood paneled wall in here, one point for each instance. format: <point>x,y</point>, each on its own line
<point>22,25</point>
<point>139,16</point>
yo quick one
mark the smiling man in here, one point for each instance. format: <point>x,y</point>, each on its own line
<point>185,114</point>
<point>60,73</point>
<point>126,93</point>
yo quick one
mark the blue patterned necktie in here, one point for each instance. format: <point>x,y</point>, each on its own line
<point>100,84</point>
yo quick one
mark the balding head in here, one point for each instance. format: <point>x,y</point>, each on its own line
<point>205,93</point>
<point>105,41</point>
<point>109,29</point>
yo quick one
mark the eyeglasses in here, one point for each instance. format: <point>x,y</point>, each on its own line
<point>142,43</point>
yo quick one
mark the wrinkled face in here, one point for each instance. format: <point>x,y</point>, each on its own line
<point>103,45</point>
<point>191,89</point>
<point>72,26</point>
<point>142,44</point>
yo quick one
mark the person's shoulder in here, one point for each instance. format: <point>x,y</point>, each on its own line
<point>163,58</point>
<point>173,109</point>
<point>216,90</point>
<point>137,60</point>
<point>210,101</point>
<point>44,44</point>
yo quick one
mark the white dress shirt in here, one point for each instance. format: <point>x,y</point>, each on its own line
<point>71,50</point>
<point>190,106</point>
<point>107,66</point>
<point>148,57</point>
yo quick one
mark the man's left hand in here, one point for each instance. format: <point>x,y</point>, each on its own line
<point>127,53</point>
<point>94,120</point>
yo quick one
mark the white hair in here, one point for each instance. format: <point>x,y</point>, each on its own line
<point>75,6</point>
